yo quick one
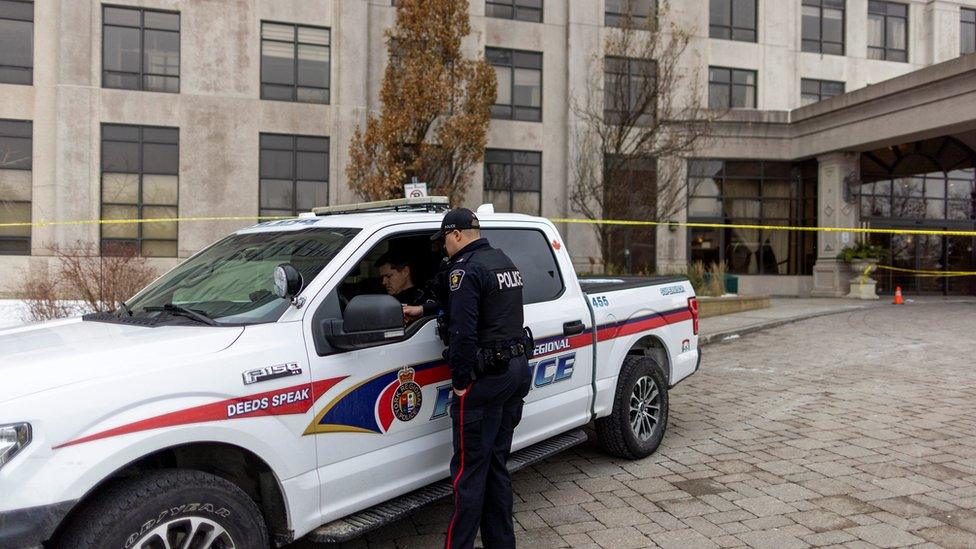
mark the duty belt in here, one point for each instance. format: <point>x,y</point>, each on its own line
<point>494,360</point>
<point>504,353</point>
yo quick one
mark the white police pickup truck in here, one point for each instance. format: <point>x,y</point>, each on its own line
<point>237,402</point>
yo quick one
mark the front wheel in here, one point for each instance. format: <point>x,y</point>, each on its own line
<point>635,427</point>
<point>168,509</point>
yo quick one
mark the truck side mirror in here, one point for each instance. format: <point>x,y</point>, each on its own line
<point>287,281</point>
<point>369,319</point>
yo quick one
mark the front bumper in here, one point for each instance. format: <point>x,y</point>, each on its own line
<point>28,528</point>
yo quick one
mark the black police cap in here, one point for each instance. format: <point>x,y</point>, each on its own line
<point>456,219</point>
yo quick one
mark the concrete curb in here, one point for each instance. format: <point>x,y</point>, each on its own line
<point>738,332</point>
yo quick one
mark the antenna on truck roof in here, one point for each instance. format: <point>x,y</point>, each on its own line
<point>430,204</point>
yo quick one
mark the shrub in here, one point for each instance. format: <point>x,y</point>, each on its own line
<point>862,250</point>
<point>86,281</point>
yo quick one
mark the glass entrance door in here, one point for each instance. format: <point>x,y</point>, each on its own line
<point>961,256</point>
<point>927,253</point>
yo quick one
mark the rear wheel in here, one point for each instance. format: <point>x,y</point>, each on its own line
<point>635,427</point>
<point>168,509</point>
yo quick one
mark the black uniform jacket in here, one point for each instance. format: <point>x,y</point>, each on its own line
<point>484,306</point>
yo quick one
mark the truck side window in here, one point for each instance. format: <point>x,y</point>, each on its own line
<point>530,251</point>
<point>365,277</point>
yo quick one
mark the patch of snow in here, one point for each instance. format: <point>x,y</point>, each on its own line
<point>13,312</point>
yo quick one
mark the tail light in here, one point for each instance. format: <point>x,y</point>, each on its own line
<point>693,307</point>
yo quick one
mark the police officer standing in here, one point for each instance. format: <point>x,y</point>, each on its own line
<point>488,351</point>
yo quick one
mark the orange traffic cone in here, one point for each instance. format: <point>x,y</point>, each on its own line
<point>898,299</point>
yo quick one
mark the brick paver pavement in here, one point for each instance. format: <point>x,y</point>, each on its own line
<point>852,430</point>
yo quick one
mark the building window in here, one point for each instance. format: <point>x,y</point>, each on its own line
<point>732,20</point>
<point>294,174</point>
<point>967,31</point>
<point>887,30</point>
<point>140,49</point>
<point>632,13</point>
<point>513,180</point>
<point>937,195</point>
<point>630,192</point>
<point>16,41</point>
<point>629,96</point>
<point>15,186</point>
<point>731,88</point>
<point>753,192</point>
<point>519,84</point>
<point>295,62</point>
<point>523,10</point>
<point>823,26</point>
<point>140,180</point>
<point>814,91</point>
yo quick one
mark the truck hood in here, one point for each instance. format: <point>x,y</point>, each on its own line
<point>47,355</point>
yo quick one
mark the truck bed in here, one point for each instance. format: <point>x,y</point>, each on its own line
<point>599,284</point>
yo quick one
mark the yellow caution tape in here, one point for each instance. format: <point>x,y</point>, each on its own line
<point>923,272</point>
<point>623,222</point>
<point>859,230</point>
<point>145,220</point>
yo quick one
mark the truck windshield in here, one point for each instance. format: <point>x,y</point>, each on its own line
<point>232,281</point>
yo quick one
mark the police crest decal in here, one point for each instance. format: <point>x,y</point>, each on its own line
<point>408,396</point>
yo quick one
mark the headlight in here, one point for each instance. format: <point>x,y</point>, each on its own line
<point>13,438</point>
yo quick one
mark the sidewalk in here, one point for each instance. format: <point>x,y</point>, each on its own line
<point>781,311</point>
<point>784,310</point>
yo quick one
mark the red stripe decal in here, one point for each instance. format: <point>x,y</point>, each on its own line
<point>296,399</point>
<point>457,499</point>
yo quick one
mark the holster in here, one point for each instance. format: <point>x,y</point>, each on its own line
<point>442,331</point>
<point>529,341</point>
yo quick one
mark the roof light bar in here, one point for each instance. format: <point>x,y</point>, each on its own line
<point>417,204</point>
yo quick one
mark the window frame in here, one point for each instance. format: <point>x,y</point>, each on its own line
<point>867,197</point>
<point>819,4</point>
<point>731,26</point>
<point>613,116</point>
<point>486,230</point>
<point>511,191</point>
<point>820,84</point>
<point>295,43</point>
<point>511,67</point>
<point>885,16</point>
<point>618,19</point>
<point>963,23</point>
<point>29,126</point>
<point>294,150</point>
<point>142,74</point>
<point>798,206</point>
<point>516,9</point>
<point>140,203</point>
<point>30,69</point>
<point>732,84</point>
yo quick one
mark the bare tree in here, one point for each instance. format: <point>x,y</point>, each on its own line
<point>637,118</point>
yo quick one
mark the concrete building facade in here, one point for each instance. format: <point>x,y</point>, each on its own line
<point>159,108</point>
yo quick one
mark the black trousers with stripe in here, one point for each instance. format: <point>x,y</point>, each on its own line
<point>482,421</point>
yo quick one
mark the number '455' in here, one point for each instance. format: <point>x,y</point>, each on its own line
<point>600,301</point>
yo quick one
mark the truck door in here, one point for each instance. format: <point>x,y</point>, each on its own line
<point>384,429</point>
<point>557,314</point>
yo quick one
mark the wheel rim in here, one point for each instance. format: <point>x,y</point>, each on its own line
<point>645,408</point>
<point>186,533</point>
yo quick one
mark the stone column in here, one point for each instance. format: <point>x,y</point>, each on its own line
<point>583,46</point>
<point>941,30</point>
<point>351,57</point>
<point>831,277</point>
